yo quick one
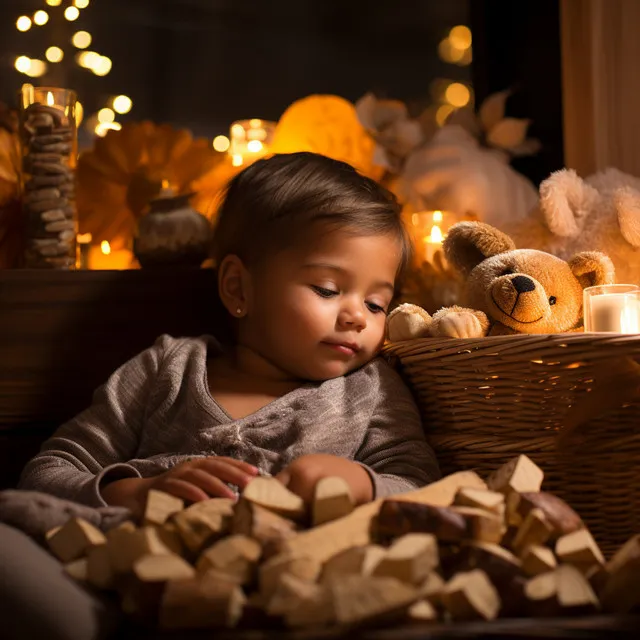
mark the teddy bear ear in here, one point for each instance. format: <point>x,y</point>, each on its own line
<point>627,204</point>
<point>566,200</point>
<point>592,268</point>
<point>469,243</point>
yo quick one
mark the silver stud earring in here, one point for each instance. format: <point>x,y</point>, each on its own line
<point>239,311</point>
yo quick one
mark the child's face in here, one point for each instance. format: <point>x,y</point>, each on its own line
<point>319,312</point>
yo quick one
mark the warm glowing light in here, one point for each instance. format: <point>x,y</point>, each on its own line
<point>79,113</point>
<point>105,247</point>
<point>88,59</point>
<point>54,54</point>
<point>23,23</point>
<point>237,131</point>
<point>103,128</point>
<point>122,104</point>
<point>106,115</point>
<point>41,17</point>
<point>103,66</point>
<point>221,143</point>
<point>50,99</point>
<point>443,112</point>
<point>85,238</point>
<point>23,64</point>
<point>437,216</point>
<point>81,4</point>
<point>254,123</point>
<point>54,3</point>
<point>71,13</point>
<point>457,94</point>
<point>236,160</point>
<point>81,39</point>
<point>254,146</point>
<point>460,37</point>
<point>37,68</point>
<point>436,235</point>
<point>449,53</point>
<point>467,57</point>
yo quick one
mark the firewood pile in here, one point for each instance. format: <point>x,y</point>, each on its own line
<point>458,549</point>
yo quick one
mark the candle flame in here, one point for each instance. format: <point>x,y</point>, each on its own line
<point>105,247</point>
<point>165,184</point>
<point>437,216</point>
<point>436,234</point>
<point>50,100</point>
<point>84,238</point>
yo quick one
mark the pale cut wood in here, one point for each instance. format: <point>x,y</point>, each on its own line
<point>621,591</point>
<point>562,589</point>
<point>317,610</point>
<point>267,527</point>
<point>304,567</point>
<point>558,513</point>
<point>411,558</point>
<point>358,560</point>
<point>203,522</point>
<point>482,525</point>
<point>125,547</point>
<point>535,529</point>
<point>201,603</point>
<point>155,568</point>
<point>127,525</point>
<point>354,530</point>
<point>290,593</point>
<point>273,495</point>
<point>160,506</point>
<point>422,611</point>
<point>236,555</point>
<point>471,596</point>
<point>77,569</point>
<point>51,533</point>
<point>500,565</point>
<point>431,588</point>
<point>493,501</point>
<point>74,538</point>
<point>171,538</point>
<point>537,559</point>
<point>99,571</point>
<point>332,500</point>
<point>579,549</point>
<point>519,474</point>
<point>360,599</point>
<point>396,518</point>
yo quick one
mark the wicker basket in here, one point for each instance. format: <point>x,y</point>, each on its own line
<point>568,401</point>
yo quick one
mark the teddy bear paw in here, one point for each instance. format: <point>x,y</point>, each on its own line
<point>458,324</point>
<point>408,321</point>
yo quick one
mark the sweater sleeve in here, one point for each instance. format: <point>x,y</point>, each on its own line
<point>394,449</point>
<point>93,448</point>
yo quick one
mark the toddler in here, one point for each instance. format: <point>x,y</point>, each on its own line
<point>308,252</point>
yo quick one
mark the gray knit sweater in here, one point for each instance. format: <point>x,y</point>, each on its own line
<point>156,411</point>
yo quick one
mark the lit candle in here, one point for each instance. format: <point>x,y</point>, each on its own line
<point>428,234</point>
<point>250,140</point>
<point>613,312</point>
<point>103,257</point>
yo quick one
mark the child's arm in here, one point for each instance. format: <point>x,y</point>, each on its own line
<point>93,447</point>
<point>394,449</point>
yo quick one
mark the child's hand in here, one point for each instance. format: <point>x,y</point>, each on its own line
<point>193,481</point>
<point>302,475</point>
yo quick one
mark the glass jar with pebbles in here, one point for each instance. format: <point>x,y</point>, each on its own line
<point>49,145</point>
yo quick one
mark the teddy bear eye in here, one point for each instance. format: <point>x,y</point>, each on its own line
<point>552,300</point>
<point>507,271</point>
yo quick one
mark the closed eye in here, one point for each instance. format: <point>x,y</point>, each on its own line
<point>375,308</point>
<point>324,292</point>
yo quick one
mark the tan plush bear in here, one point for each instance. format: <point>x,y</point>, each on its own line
<point>600,213</point>
<point>507,290</point>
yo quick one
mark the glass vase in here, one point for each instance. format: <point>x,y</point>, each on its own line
<point>49,148</point>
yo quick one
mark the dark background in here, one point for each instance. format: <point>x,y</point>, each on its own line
<point>202,64</point>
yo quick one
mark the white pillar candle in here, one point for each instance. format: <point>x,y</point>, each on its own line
<point>613,312</point>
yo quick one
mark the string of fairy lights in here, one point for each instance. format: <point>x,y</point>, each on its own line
<point>94,62</point>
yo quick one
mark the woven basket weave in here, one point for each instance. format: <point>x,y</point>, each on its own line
<point>568,401</point>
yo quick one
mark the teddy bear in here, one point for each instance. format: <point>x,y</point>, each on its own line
<point>600,212</point>
<point>507,290</point>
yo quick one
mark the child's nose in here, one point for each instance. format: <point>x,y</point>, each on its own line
<point>352,317</point>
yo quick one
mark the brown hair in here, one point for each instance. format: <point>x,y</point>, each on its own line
<point>275,203</point>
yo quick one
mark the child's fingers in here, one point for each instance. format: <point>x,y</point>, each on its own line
<point>243,466</point>
<point>212,484</point>
<point>220,468</point>
<point>183,489</point>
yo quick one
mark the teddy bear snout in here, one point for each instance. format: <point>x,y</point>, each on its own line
<point>522,284</point>
<point>520,298</point>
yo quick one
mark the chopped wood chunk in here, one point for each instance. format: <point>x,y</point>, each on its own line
<point>431,588</point>
<point>77,569</point>
<point>201,603</point>
<point>126,547</point>
<point>482,525</point>
<point>268,528</point>
<point>471,596</point>
<point>621,592</point>
<point>236,555</point>
<point>74,538</point>
<point>411,558</point>
<point>160,506</point>
<point>561,591</point>
<point>316,610</point>
<point>360,599</point>
<point>558,513</point>
<point>579,549</point>
<point>332,500</point>
<point>154,568</point>
<point>290,593</point>
<point>493,501</point>
<point>537,559</point>
<point>534,530</point>
<point>273,495</point>
<point>203,522</point>
<point>520,474</point>
<point>422,611</point>
<point>398,517</point>
<point>300,566</point>
<point>99,570</point>
<point>356,560</point>
<point>171,538</point>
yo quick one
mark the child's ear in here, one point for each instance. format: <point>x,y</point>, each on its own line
<point>592,268</point>
<point>469,243</point>
<point>234,286</point>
